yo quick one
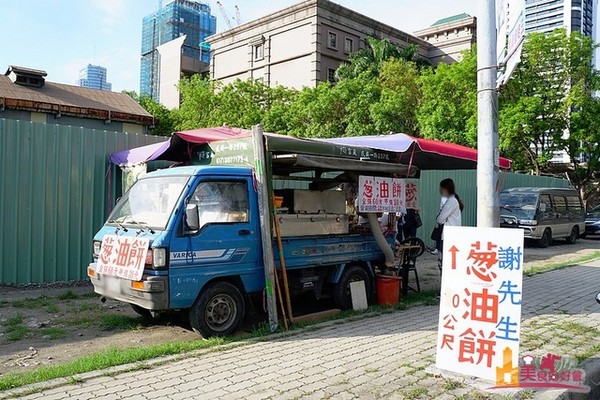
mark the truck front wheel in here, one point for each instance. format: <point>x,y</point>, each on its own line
<point>219,311</point>
<point>341,291</point>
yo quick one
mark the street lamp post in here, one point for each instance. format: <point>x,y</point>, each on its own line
<point>487,116</point>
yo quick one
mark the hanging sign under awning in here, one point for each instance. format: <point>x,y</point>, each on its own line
<point>379,194</point>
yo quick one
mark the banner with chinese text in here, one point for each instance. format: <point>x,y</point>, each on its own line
<point>480,302</point>
<point>377,194</point>
<point>123,256</point>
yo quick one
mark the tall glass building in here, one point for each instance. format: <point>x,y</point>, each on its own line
<point>175,19</point>
<point>547,15</point>
<point>94,77</point>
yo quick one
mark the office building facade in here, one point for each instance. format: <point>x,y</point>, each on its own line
<point>94,77</point>
<point>547,15</point>
<point>176,19</point>
<point>300,45</point>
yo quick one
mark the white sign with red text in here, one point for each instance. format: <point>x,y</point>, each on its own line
<point>480,303</point>
<point>378,194</point>
<point>123,256</point>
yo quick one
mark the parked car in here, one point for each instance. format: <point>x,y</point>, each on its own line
<point>544,214</point>
<point>592,222</point>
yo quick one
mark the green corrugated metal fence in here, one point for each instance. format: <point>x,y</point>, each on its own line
<point>53,197</point>
<point>465,181</point>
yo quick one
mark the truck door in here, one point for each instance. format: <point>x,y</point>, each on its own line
<point>226,245</point>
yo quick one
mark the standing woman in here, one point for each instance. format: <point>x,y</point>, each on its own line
<point>450,213</point>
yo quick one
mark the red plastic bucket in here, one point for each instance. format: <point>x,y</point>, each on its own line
<point>387,289</point>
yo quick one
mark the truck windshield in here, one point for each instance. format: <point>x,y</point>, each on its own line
<point>149,202</point>
<point>522,206</point>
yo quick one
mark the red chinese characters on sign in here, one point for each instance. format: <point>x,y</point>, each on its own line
<point>379,194</point>
<point>412,200</point>
<point>122,256</point>
<point>480,301</point>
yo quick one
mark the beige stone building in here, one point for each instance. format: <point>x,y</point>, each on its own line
<point>300,45</point>
<point>449,37</point>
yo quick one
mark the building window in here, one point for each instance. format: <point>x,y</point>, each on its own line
<point>331,75</point>
<point>332,40</point>
<point>258,52</point>
<point>348,46</point>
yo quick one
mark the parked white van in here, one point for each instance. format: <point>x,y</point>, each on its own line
<point>545,214</point>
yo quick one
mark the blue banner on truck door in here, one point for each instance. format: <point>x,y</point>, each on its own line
<point>208,256</point>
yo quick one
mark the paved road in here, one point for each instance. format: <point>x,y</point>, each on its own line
<point>379,357</point>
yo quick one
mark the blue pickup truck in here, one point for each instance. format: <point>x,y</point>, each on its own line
<point>202,227</point>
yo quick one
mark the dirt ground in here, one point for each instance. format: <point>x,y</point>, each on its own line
<point>52,325</point>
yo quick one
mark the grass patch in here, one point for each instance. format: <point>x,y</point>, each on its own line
<point>451,384</point>
<point>577,328</point>
<point>104,359</point>
<point>53,333</point>
<point>14,328</point>
<point>32,303</point>
<point>560,265</point>
<point>416,393</point>
<point>68,295</point>
<point>120,322</point>
<point>80,322</point>
<point>17,332</point>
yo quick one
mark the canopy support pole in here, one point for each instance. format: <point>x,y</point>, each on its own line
<point>264,210</point>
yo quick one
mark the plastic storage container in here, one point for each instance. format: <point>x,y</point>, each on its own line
<point>388,289</point>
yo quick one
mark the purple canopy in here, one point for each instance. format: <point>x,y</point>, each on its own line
<point>140,154</point>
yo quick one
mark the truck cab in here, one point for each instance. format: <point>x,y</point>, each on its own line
<point>202,230</point>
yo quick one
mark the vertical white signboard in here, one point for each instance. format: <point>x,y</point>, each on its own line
<point>480,306</point>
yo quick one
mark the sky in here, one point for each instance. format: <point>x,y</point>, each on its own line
<point>63,36</point>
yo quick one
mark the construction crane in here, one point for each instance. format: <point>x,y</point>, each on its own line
<point>229,18</point>
<point>238,17</point>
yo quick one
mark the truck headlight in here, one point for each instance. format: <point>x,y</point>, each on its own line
<point>159,258</point>
<point>96,246</point>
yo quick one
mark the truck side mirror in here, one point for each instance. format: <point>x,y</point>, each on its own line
<point>192,219</point>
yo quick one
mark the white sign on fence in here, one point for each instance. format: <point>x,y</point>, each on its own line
<point>123,256</point>
<point>377,194</point>
<point>480,306</point>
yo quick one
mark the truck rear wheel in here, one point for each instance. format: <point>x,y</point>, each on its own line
<point>219,311</point>
<point>341,291</point>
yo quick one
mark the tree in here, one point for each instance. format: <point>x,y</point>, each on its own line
<point>582,144</point>
<point>240,104</point>
<point>369,60</point>
<point>533,110</point>
<point>448,108</point>
<point>401,92</point>
<point>164,123</point>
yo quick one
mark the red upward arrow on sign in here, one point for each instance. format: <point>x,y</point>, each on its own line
<point>453,250</point>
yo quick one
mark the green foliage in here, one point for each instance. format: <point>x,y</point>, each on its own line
<point>448,108</point>
<point>533,114</point>
<point>369,60</point>
<point>240,104</point>
<point>552,93</point>
<point>401,94</point>
<point>164,123</point>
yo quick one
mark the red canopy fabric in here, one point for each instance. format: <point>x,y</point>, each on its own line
<point>208,135</point>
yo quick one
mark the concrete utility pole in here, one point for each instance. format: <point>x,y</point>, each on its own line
<point>487,116</point>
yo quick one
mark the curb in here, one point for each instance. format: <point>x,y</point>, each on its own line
<point>591,366</point>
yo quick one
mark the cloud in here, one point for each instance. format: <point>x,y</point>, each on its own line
<point>111,12</point>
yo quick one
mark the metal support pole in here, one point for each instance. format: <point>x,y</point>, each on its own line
<point>487,116</point>
<point>266,236</point>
